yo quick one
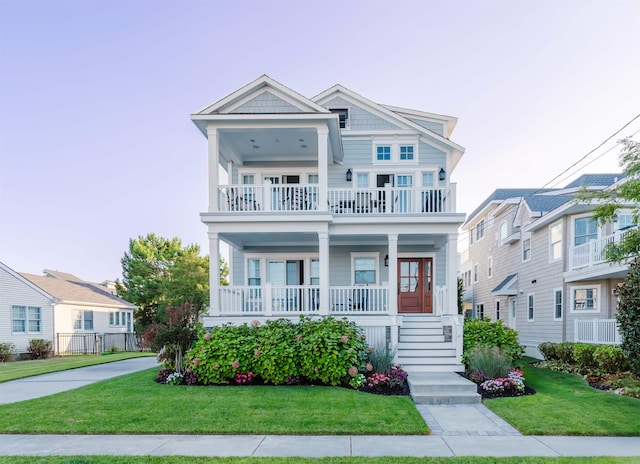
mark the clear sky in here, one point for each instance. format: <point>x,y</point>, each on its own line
<point>96,144</point>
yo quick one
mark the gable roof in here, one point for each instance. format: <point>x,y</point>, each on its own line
<point>500,195</point>
<point>27,282</point>
<point>76,290</point>
<point>386,112</point>
<point>595,180</point>
<point>508,287</point>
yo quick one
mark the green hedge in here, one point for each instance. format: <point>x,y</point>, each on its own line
<point>586,357</point>
<point>491,333</point>
<point>324,350</point>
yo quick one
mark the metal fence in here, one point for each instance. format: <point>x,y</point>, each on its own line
<point>95,343</point>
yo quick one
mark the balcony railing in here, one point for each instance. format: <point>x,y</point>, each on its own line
<point>594,251</point>
<point>602,331</point>
<point>304,197</point>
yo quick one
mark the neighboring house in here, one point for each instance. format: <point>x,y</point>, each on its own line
<point>536,261</point>
<point>335,205</point>
<point>58,306</point>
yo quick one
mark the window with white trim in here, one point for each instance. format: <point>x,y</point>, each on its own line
<point>475,273</point>
<point>362,179</point>
<point>530,306</point>
<point>26,319</point>
<point>526,249</point>
<point>83,320</point>
<point>406,152</point>
<point>479,230</point>
<point>624,221</point>
<point>555,241</point>
<point>383,153</point>
<point>364,270</point>
<point>490,267</point>
<point>480,311</point>
<point>557,305</point>
<point>497,310</point>
<point>343,117</point>
<point>585,299</point>
<point>313,178</point>
<point>585,230</point>
<point>427,179</point>
<point>504,228</point>
<point>253,272</point>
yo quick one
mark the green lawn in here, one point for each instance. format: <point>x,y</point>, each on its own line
<point>565,405</point>
<point>136,404</point>
<point>21,369</point>
<point>296,460</point>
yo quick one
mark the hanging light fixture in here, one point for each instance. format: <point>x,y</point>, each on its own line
<point>349,175</point>
<point>386,261</point>
<point>442,174</point>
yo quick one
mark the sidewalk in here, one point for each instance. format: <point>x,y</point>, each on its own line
<point>458,430</point>
<point>314,446</point>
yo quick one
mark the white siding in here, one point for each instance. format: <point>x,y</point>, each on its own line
<point>14,291</point>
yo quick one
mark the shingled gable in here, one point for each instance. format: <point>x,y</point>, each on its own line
<point>394,117</point>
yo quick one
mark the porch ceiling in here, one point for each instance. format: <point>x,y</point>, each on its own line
<point>271,144</point>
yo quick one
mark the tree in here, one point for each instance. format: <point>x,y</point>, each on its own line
<point>460,296</point>
<point>624,195</point>
<point>159,273</point>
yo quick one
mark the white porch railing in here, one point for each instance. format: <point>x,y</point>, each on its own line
<point>440,300</point>
<point>358,300</point>
<point>593,252</point>
<point>268,300</point>
<point>304,197</point>
<point>601,331</point>
<point>389,200</point>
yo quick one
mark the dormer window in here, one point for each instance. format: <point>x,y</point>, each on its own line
<point>343,117</point>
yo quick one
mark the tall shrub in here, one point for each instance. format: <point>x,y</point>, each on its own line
<point>491,333</point>
<point>40,349</point>
<point>629,314</point>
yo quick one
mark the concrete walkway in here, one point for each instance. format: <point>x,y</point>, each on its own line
<point>458,430</point>
<point>49,384</point>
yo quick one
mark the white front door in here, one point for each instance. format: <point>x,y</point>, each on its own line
<point>512,313</point>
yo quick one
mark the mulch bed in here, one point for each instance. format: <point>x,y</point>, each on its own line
<point>508,394</point>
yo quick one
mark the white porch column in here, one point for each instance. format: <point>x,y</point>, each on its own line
<point>214,274</point>
<point>323,170</point>
<point>393,273</point>
<point>323,251</point>
<point>451,303</point>
<point>214,167</point>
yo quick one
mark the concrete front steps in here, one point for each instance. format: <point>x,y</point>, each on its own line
<point>422,346</point>
<point>431,363</point>
<point>442,388</point>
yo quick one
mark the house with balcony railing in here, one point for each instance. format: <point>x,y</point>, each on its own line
<point>537,261</point>
<point>335,205</point>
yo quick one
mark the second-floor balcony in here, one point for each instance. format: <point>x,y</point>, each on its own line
<point>363,201</point>
<point>594,251</point>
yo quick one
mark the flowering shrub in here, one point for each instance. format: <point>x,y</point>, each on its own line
<point>358,381</point>
<point>243,379</point>
<point>514,383</point>
<point>377,380</point>
<point>397,376</point>
<point>174,379</point>
<point>163,374</point>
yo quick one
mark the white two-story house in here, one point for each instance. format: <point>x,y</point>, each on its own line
<point>536,260</point>
<point>335,205</point>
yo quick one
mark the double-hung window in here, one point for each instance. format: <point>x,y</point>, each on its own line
<point>83,320</point>
<point>479,230</point>
<point>253,272</point>
<point>585,299</point>
<point>526,249</point>
<point>530,307</point>
<point>557,305</point>
<point>555,241</point>
<point>26,319</point>
<point>586,230</point>
<point>364,270</point>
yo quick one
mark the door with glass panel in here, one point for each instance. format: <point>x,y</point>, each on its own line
<point>404,197</point>
<point>283,274</point>
<point>415,282</point>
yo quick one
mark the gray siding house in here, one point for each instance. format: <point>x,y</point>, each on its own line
<point>335,206</point>
<point>536,261</point>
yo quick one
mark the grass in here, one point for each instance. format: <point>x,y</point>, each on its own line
<point>297,460</point>
<point>135,404</point>
<point>21,369</point>
<point>566,405</point>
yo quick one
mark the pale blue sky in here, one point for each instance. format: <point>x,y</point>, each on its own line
<point>96,144</point>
